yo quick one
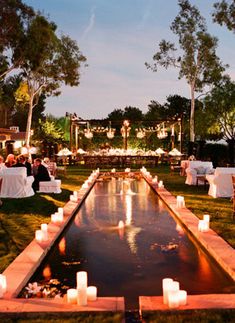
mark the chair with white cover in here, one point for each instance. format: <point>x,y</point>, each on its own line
<point>16,183</point>
<point>221,184</point>
<point>52,186</point>
<point>197,168</point>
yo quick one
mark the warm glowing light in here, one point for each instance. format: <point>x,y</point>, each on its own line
<point>91,293</point>
<point>47,272</point>
<point>72,295</point>
<point>62,246</point>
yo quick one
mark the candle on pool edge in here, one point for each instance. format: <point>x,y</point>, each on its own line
<point>182,297</point>
<point>82,288</point>
<point>173,295</point>
<point>160,184</point>
<point>39,235</point>
<point>75,194</point>
<point>91,293</point>
<point>206,217</point>
<point>3,285</point>
<point>72,295</point>
<point>44,231</point>
<point>166,283</point>
<point>60,210</point>
<point>203,226</point>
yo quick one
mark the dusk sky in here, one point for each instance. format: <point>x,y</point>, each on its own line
<point>118,37</point>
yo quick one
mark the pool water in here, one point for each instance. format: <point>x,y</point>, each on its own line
<point>130,261</point>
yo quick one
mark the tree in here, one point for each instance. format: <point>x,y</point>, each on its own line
<point>116,114</point>
<point>14,16</point>
<point>199,64</point>
<point>49,62</point>
<point>220,106</point>
<point>133,114</point>
<point>225,14</point>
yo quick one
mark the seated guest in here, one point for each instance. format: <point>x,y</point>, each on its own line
<point>40,173</point>
<point>2,164</point>
<point>22,162</point>
<point>10,160</point>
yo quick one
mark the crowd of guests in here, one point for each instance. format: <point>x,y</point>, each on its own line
<point>34,167</point>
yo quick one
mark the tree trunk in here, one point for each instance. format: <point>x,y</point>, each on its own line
<point>231,151</point>
<point>191,146</point>
<point>192,114</point>
<point>29,122</point>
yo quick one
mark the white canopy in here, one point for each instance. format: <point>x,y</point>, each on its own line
<point>64,152</point>
<point>160,151</point>
<point>175,152</point>
<point>81,151</point>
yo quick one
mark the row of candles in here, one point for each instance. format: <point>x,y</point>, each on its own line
<point>58,217</point>
<point>85,185</point>
<point>203,225</point>
<point>82,293</point>
<point>173,296</point>
<point>154,179</point>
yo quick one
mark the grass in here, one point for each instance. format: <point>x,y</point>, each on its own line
<point>19,218</point>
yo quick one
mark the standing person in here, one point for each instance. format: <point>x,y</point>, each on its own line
<point>40,174</point>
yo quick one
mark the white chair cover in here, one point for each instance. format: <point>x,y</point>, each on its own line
<point>16,183</point>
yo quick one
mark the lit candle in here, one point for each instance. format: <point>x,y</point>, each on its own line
<point>82,288</point>
<point>54,218</point>
<point>203,226</point>
<point>44,227</point>
<point>73,198</point>
<point>182,297</point>
<point>206,217</point>
<point>60,210</point>
<point>72,295</point>
<point>75,194</point>
<point>44,231</point>
<point>91,293</point>
<point>160,184</point>
<point>39,235</point>
<point>121,224</point>
<point>180,201</point>
<point>173,295</point>
<point>3,285</point>
<point>166,283</point>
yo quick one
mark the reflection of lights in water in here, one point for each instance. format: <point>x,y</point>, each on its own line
<point>128,201</point>
<point>179,229</point>
<point>204,267</point>
<point>161,206</point>
<point>121,224</point>
<point>131,238</point>
<point>47,272</point>
<point>62,246</point>
<point>77,220</point>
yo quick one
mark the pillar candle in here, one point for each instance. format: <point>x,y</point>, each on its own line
<point>82,288</point>
<point>60,210</point>
<point>166,283</point>
<point>72,295</point>
<point>44,231</point>
<point>182,297</point>
<point>173,295</point>
<point>206,217</point>
<point>3,285</point>
<point>91,293</point>
<point>39,235</point>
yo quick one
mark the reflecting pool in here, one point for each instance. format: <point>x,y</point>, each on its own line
<point>130,260</point>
